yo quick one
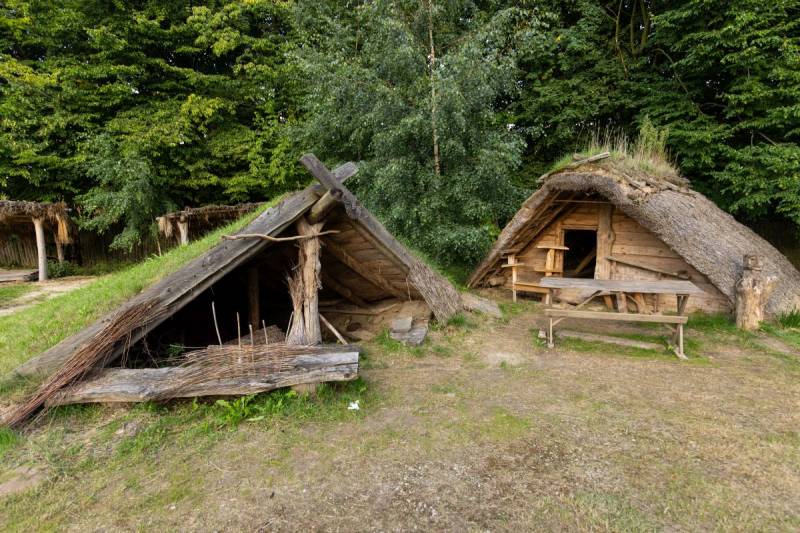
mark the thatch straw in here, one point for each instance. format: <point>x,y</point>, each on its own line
<point>706,237</point>
<point>55,214</point>
<point>204,216</point>
<point>93,354</point>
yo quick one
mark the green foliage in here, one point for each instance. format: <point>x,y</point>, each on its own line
<point>129,109</point>
<point>133,108</point>
<point>790,320</point>
<point>60,270</point>
<point>378,95</point>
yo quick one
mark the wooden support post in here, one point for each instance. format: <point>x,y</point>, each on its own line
<point>41,250</point>
<point>622,302</point>
<point>253,296</point>
<point>183,229</point>
<point>605,242</point>
<point>512,260</point>
<point>550,340</point>
<point>59,248</point>
<point>752,293</point>
<point>305,326</point>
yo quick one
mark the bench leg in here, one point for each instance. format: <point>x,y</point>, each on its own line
<point>550,343</point>
<point>680,353</point>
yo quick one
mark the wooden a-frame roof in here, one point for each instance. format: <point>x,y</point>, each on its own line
<point>360,243</point>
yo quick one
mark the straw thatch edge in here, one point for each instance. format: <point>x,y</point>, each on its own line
<point>708,238</point>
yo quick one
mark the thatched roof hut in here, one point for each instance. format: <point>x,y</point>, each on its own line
<point>658,225</point>
<point>18,216</point>
<point>201,219</point>
<point>349,266</point>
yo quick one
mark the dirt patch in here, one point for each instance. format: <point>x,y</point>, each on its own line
<point>560,440</point>
<point>44,290</point>
<point>21,479</point>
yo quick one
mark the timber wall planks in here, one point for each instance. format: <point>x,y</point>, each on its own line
<point>632,242</point>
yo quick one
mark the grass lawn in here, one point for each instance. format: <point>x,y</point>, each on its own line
<point>9,293</point>
<point>31,331</point>
<point>481,428</point>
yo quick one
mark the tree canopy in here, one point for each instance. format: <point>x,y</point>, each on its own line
<point>127,109</point>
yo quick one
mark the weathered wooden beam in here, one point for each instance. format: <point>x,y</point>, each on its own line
<point>339,363</point>
<point>311,267</point>
<point>253,296</point>
<point>183,230</point>
<point>41,250</point>
<point>443,299</point>
<point>362,269</point>
<point>327,201</point>
<point>605,242</point>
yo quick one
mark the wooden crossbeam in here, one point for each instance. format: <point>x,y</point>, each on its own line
<point>362,269</point>
<point>327,201</point>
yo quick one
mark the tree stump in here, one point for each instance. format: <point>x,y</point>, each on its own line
<point>752,292</point>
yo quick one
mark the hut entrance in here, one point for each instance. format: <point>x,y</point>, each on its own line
<point>580,258</point>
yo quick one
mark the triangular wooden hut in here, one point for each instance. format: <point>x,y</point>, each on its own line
<point>607,219</point>
<point>320,244</point>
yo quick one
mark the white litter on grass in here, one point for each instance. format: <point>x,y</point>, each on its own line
<point>353,406</point>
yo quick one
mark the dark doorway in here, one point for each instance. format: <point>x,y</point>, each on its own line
<point>579,260</point>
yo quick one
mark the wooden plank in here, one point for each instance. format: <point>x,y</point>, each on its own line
<point>632,249</point>
<point>334,285</point>
<point>372,275</point>
<point>618,317</point>
<point>605,242</point>
<point>645,287</point>
<point>552,247</point>
<point>138,385</point>
<point>644,266</point>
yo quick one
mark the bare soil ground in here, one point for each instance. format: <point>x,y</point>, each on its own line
<point>481,429</point>
<point>44,290</point>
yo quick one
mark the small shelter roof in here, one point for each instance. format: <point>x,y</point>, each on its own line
<point>14,212</point>
<point>708,238</point>
<point>330,198</point>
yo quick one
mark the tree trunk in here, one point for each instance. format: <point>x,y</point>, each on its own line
<point>752,292</point>
<point>432,65</point>
<point>304,288</point>
<point>41,250</point>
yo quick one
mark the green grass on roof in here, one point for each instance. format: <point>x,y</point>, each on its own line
<point>33,330</point>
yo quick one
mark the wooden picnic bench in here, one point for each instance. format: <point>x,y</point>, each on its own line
<point>622,290</point>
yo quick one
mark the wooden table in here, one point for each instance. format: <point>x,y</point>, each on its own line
<point>622,289</point>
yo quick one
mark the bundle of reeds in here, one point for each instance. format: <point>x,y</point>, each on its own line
<point>95,353</point>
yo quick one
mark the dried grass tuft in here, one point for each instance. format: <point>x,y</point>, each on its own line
<point>96,353</point>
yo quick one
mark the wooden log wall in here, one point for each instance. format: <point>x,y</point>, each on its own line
<point>631,243</point>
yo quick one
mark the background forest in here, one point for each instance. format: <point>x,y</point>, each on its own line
<point>126,109</point>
